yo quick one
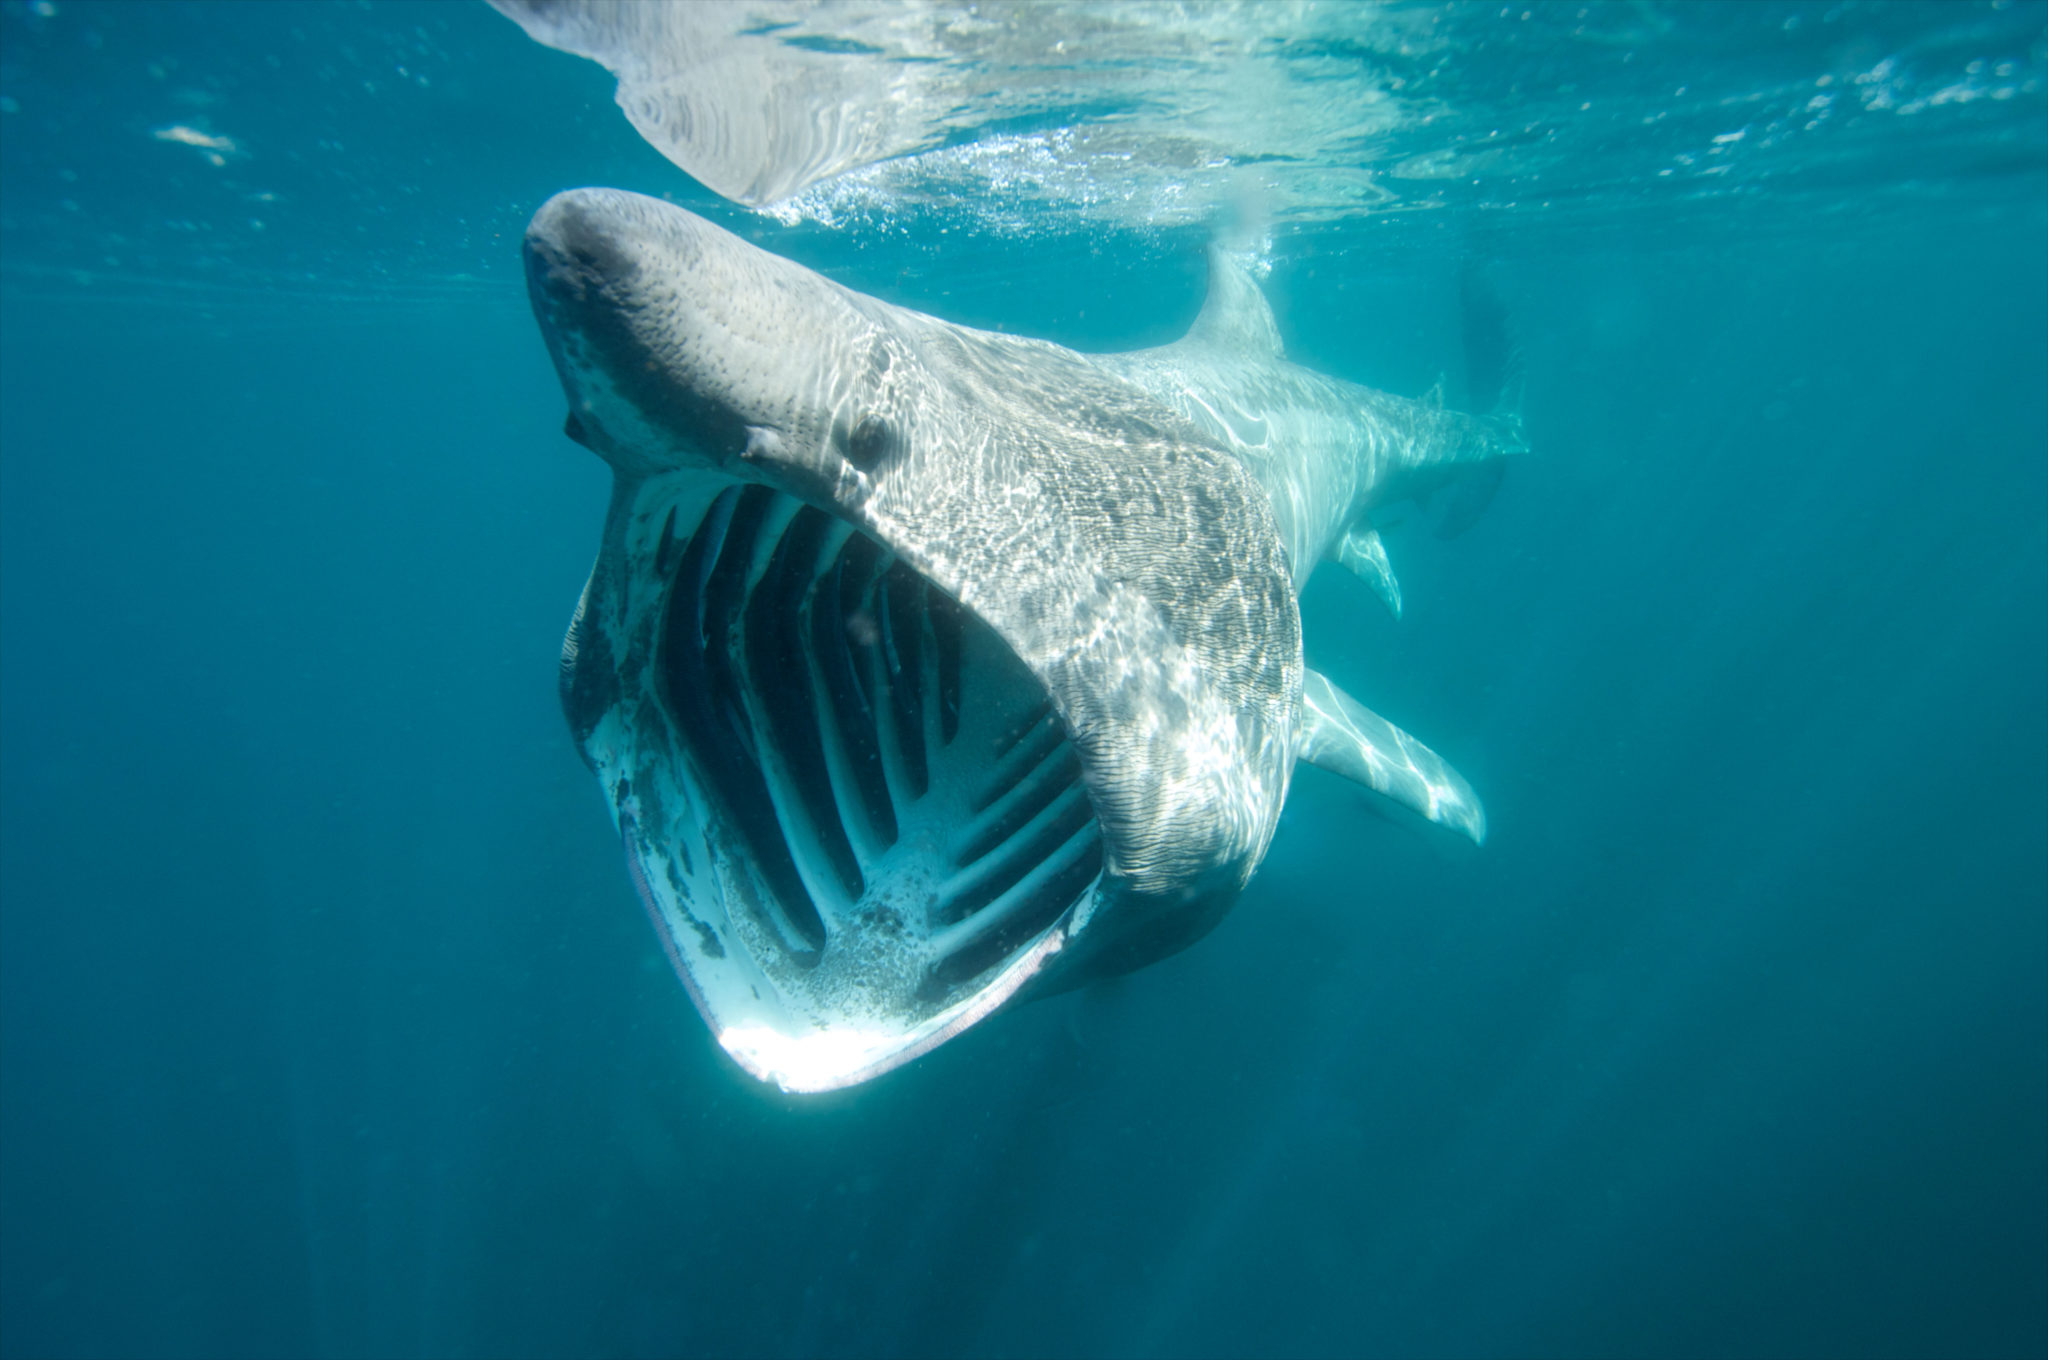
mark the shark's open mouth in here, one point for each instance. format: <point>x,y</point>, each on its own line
<point>889,803</point>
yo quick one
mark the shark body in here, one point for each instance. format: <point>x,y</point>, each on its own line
<point>926,668</point>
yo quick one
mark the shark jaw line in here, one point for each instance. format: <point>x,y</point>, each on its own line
<point>850,810</point>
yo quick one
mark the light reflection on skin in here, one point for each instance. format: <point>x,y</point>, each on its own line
<point>1147,584</point>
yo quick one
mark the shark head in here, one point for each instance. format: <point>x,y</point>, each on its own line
<point>923,668</point>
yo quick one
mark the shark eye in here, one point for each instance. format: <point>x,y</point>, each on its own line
<point>871,441</point>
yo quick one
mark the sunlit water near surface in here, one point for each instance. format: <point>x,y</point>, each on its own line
<point>329,1025</point>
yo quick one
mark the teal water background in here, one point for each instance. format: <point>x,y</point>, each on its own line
<point>329,1025</point>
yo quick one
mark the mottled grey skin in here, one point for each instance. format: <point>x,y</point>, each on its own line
<point>1327,452</point>
<point>1135,528</point>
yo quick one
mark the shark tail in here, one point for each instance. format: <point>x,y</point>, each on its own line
<point>1462,464</point>
<point>1494,362</point>
<point>1494,384</point>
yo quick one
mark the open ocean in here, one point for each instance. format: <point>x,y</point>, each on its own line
<point>329,1024</point>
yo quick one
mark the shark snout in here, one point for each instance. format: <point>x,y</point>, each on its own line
<point>678,343</point>
<point>577,240</point>
<point>587,252</point>
<point>601,271</point>
<point>612,241</point>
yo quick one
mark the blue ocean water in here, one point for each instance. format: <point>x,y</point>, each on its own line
<point>328,1022</point>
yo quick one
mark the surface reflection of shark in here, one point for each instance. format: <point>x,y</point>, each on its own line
<point>927,668</point>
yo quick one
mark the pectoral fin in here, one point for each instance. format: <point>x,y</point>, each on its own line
<point>1344,737</point>
<point>1365,554</point>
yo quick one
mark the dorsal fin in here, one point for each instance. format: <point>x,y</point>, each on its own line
<point>1237,316</point>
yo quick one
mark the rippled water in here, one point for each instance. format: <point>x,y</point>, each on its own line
<point>363,152</point>
<point>1143,116</point>
<point>328,1024</point>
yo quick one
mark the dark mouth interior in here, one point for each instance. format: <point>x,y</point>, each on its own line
<point>885,763</point>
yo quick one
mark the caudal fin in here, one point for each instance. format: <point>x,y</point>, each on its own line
<point>1493,359</point>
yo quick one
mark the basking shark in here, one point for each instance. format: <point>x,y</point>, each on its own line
<point>926,669</point>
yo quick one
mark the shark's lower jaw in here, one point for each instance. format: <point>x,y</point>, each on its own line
<point>849,807</point>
